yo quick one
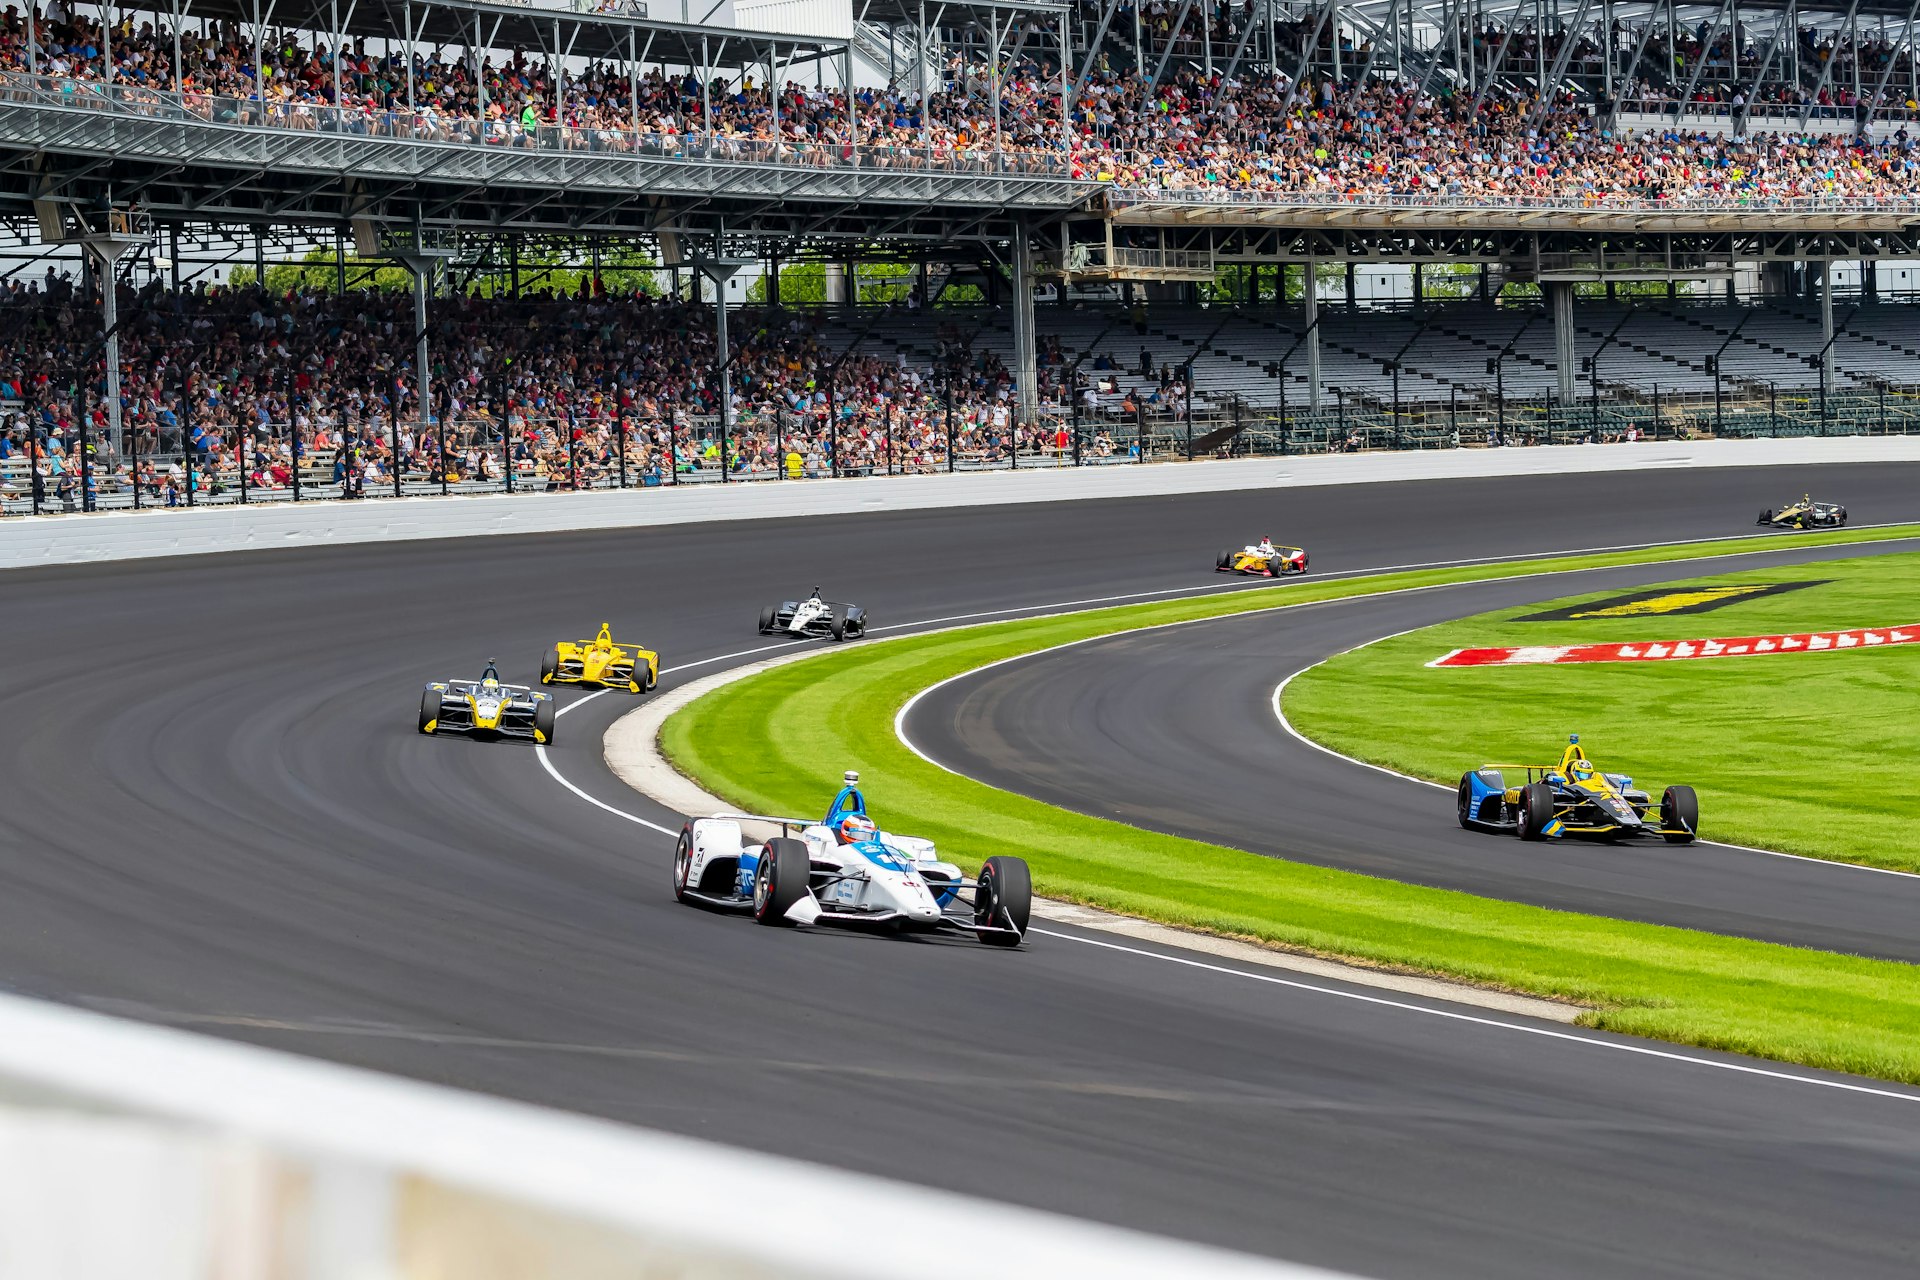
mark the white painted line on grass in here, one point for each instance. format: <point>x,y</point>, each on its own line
<point>1279,714</point>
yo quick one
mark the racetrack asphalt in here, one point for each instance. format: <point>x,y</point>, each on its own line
<point>1064,726</point>
<point>217,814</point>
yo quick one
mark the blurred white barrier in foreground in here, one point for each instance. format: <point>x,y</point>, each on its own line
<point>135,1152</point>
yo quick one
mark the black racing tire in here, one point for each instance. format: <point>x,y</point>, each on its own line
<point>1005,899</point>
<point>766,620</point>
<point>682,862</point>
<point>429,709</point>
<point>1278,566</point>
<point>1841,520</point>
<point>544,715</point>
<point>779,881</point>
<point>1766,517</point>
<point>1225,560</point>
<point>1680,807</point>
<point>1536,811</point>
<point>838,627</point>
<point>1463,803</point>
<point>550,665</point>
<point>650,678</point>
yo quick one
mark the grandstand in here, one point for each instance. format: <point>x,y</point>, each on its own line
<point>466,244</point>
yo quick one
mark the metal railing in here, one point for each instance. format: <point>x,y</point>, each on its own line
<point>550,455</point>
<point>1589,202</point>
<point>424,125</point>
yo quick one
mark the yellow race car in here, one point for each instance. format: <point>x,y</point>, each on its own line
<point>601,662</point>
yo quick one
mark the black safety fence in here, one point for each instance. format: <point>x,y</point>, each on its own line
<point>57,468</point>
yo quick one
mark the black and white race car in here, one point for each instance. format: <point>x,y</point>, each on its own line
<point>814,617</point>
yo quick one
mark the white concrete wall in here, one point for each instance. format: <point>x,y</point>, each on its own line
<point>129,535</point>
<point>135,1152</point>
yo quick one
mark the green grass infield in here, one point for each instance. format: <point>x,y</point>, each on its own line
<point>777,742</point>
<point>1806,752</point>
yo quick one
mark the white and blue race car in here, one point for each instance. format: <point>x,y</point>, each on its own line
<point>843,870</point>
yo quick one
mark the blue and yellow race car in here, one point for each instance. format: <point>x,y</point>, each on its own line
<point>1573,798</point>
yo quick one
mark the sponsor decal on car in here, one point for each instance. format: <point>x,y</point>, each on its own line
<point>1669,600</point>
<point>1680,650</point>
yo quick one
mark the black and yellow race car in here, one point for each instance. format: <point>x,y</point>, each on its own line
<point>1805,514</point>
<point>487,708</point>
<point>601,662</point>
<point>1573,798</point>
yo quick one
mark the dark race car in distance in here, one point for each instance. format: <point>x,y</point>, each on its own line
<point>1805,514</point>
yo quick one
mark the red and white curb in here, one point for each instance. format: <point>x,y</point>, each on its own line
<point>1675,650</point>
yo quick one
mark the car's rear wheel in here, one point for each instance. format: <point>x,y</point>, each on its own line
<point>1004,900</point>
<point>1680,808</point>
<point>1536,811</point>
<point>543,719</point>
<point>779,881</point>
<point>766,620</point>
<point>550,665</point>
<point>429,709</point>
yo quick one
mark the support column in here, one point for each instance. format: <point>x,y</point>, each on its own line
<point>1026,376</point>
<point>1824,273</point>
<point>110,317</point>
<point>720,270</point>
<point>422,280</point>
<point>1561,296</point>
<point>103,250</point>
<point>1869,280</point>
<point>1310,292</point>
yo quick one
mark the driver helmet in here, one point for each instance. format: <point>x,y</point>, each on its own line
<point>1581,770</point>
<point>857,827</point>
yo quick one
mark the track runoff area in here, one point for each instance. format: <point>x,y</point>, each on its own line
<point>268,851</point>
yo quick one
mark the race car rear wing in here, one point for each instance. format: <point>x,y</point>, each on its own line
<point>1534,772</point>
<point>785,824</point>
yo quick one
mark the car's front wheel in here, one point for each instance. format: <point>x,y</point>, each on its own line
<point>1536,811</point>
<point>1680,810</point>
<point>543,719</point>
<point>550,665</point>
<point>682,863</point>
<point>766,620</point>
<point>1463,803</point>
<point>429,710</point>
<point>779,880</point>
<point>1004,900</point>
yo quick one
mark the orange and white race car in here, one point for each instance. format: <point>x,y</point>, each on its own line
<point>1263,559</point>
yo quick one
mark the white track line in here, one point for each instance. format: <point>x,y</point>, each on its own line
<point>1280,715</point>
<point>1600,1040</point>
<point>1615,1044</point>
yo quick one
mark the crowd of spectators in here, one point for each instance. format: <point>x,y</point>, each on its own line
<point>243,381</point>
<point>1192,134</point>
